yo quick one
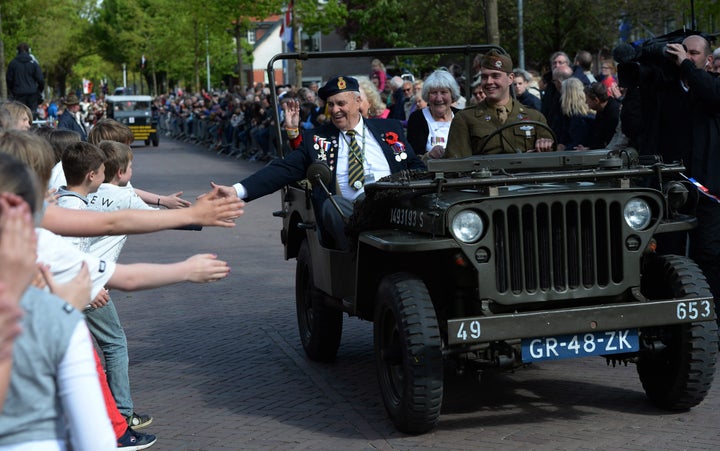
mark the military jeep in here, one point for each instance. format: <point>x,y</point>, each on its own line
<point>497,261</point>
<point>137,113</point>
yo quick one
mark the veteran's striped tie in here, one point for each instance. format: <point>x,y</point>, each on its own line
<point>356,174</point>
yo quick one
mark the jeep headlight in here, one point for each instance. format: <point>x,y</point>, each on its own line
<point>467,226</point>
<point>637,214</point>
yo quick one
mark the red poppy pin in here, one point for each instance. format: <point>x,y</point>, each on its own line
<point>391,138</point>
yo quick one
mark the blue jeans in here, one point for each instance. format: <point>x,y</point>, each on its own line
<point>104,324</point>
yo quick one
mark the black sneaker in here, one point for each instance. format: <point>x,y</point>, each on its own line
<point>133,441</point>
<point>136,421</point>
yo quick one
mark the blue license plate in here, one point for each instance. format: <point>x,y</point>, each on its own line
<point>579,345</point>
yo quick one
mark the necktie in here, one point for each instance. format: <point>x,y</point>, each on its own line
<point>356,174</point>
<point>502,114</point>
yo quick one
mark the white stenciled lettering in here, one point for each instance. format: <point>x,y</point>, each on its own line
<point>705,308</point>
<point>406,217</point>
<point>475,329</point>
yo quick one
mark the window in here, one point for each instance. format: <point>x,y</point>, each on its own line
<point>311,43</point>
<point>251,37</point>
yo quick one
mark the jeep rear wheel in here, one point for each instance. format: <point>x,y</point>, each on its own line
<point>678,375</point>
<point>408,353</point>
<point>320,326</point>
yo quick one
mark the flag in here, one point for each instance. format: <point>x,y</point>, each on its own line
<point>87,86</point>
<point>286,31</point>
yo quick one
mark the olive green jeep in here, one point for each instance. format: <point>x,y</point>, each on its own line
<point>498,261</point>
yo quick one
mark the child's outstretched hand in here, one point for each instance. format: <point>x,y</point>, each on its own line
<point>76,291</point>
<point>206,268</point>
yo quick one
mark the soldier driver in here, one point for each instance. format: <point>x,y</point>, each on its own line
<point>471,127</point>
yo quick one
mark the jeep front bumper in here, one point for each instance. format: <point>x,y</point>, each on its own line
<point>485,329</point>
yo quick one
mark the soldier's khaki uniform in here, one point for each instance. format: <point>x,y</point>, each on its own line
<point>471,126</point>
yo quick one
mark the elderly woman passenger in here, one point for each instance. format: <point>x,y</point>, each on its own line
<point>428,128</point>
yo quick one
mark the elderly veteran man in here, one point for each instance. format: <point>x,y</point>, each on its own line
<point>472,126</point>
<point>358,151</point>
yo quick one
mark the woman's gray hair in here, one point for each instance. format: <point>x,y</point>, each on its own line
<point>440,79</point>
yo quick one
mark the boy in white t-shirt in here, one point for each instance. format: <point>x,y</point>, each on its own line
<point>84,168</point>
<point>103,320</point>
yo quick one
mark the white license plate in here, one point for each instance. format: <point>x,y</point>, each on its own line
<point>580,345</point>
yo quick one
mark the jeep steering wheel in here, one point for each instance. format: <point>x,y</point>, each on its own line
<point>502,128</point>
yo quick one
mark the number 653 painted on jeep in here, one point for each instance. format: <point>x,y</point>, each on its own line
<point>693,310</point>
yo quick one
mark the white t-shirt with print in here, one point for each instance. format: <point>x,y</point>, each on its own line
<point>65,261</point>
<point>107,198</point>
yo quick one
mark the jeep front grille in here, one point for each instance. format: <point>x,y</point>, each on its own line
<point>558,246</point>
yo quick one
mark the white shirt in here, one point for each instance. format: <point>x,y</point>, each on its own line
<point>438,131</point>
<point>57,177</point>
<point>65,261</point>
<point>375,164</point>
<point>75,203</point>
<point>107,198</point>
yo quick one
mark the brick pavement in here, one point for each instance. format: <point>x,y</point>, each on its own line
<point>220,366</point>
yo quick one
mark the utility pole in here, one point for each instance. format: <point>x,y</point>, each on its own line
<point>3,86</point>
<point>207,57</point>
<point>521,39</point>
<point>239,50</point>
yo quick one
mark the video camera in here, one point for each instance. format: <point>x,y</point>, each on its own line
<point>647,63</point>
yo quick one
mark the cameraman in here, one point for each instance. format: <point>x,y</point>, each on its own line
<point>700,102</point>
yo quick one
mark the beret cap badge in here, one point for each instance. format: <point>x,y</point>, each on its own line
<point>341,83</point>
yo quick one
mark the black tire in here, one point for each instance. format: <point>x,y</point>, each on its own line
<point>320,326</point>
<point>155,140</point>
<point>678,376</point>
<point>408,353</point>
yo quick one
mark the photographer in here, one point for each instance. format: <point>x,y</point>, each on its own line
<point>699,102</point>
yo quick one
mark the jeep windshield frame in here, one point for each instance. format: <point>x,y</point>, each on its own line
<point>469,52</point>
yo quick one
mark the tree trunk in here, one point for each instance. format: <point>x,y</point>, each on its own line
<point>491,19</point>
<point>298,49</point>
<point>3,86</point>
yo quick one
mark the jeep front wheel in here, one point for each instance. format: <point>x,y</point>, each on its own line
<point>678,373</point>
<point>408,353</point>
<point>320,326</point>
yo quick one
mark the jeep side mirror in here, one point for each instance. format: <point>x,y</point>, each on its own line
<point>319,175</point>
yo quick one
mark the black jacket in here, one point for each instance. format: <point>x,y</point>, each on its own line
<point>604,125</point>
<point>704,132</point>
<point>24,76</point>
<point>293,167</point>
<point>530,100</point>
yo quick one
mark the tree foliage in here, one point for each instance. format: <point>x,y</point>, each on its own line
<point>75,39</point>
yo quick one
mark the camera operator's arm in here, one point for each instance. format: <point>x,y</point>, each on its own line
<point>704,87</point>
